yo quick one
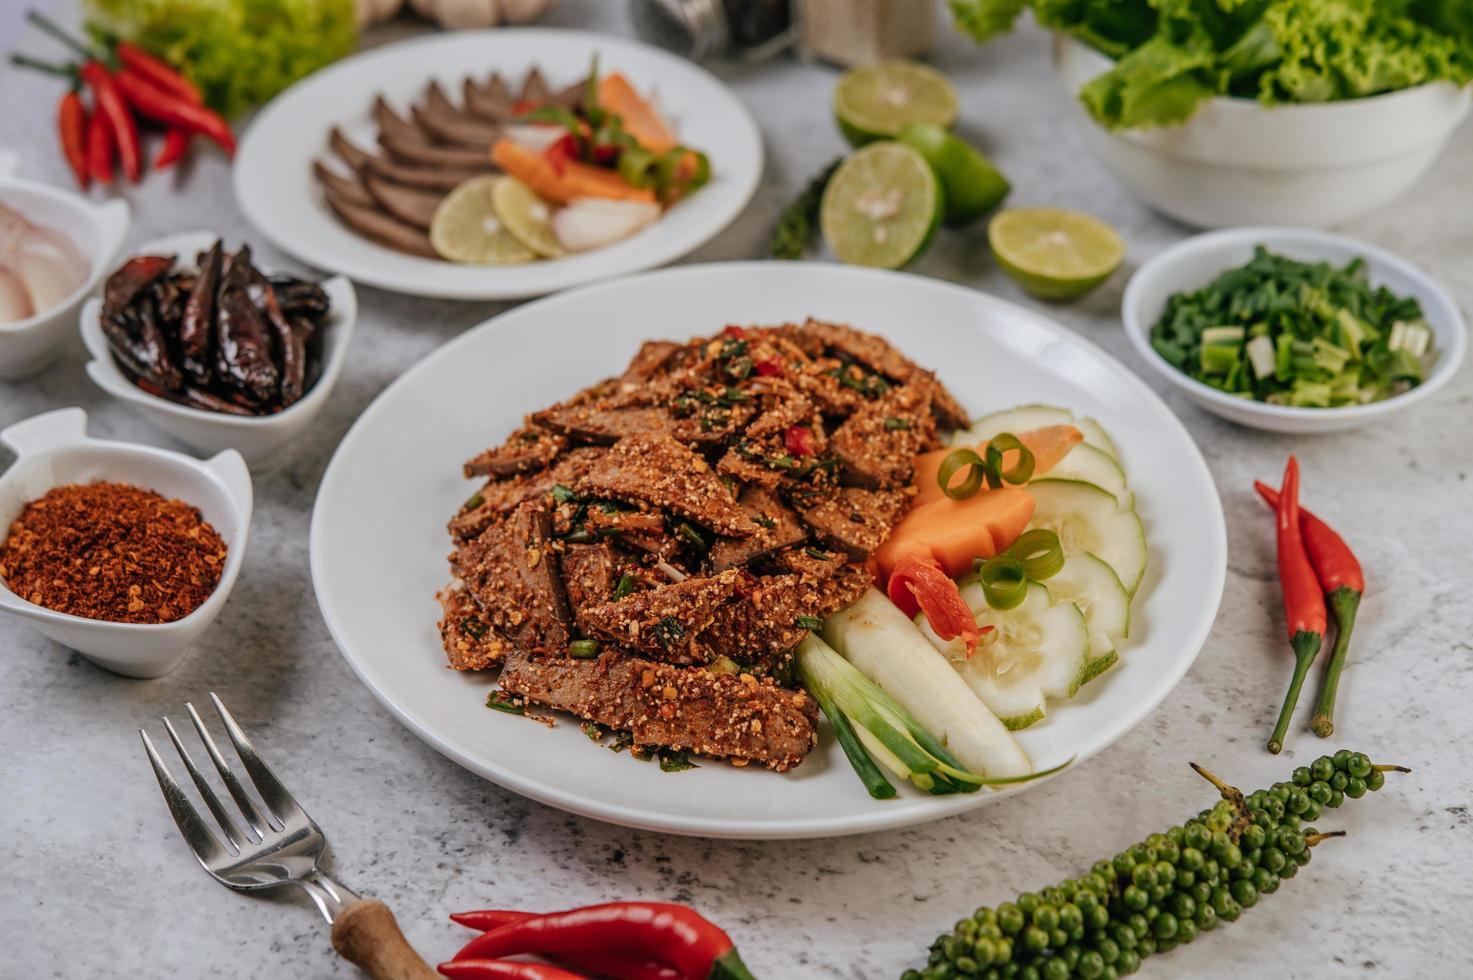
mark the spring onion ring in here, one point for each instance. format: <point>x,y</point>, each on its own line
<point>955,460</point>
<point>1039,552</point>
<point>1003,581</point>
<point>1022,470</point>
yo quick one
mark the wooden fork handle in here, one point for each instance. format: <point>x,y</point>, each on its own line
<point>366,934</point>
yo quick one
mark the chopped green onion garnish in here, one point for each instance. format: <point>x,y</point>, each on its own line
<point>563,494</point>
<point>1003,582</point>
<point>892,423</point>
<point>956,460</point>
<point>472,503</point>
<point>689,535</point>
<point>583,649</point>
<point>505,701</point>
<point>808,623</point>
<point>676,760</point>
<point>1039,553</point>
<point>1022,470</point>
<point>626,585</point>
<point>818,554</point>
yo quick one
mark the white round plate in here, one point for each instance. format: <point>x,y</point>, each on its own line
<point>379,542</point>
<point>277,192</point>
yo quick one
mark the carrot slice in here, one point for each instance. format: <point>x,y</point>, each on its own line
<point>1049,445</point>
<point>954,532</point>
<point>640,119</point>
<point>567,181</point>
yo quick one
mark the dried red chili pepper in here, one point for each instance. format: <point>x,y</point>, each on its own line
<point>619,966</point>
<point>769,367</point>
<point>733,332</point>
<point>1343,584</point>
<point>798,440</point>
<point>108,100</point>
<point>1304,604</point>
<point>671,933</point>
<point>71,120</point>
<point>171,110</point>
<point>496,969</point>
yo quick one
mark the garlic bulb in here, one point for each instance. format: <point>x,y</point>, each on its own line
<point>457,14</point>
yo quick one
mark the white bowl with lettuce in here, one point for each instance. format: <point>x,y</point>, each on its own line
<point>1220,113</point>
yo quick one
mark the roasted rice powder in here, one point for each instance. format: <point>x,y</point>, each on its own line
<point>114,552</point>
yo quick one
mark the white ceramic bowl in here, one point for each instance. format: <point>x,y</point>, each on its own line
<point>27,346</point>
<point>262,440</point>
<point>1237,162</point>
<point>54,449</point>
<point>1193,263</point>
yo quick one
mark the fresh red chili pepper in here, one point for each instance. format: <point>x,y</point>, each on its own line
<point>561,153</point>
<point>673,934</point>
<point>770,367</point>
<point>733,332</point>
<point>1343,584</point>
<point>477,969</point>
<point>108,100</point>
<point>798,440</point>
<point>165,107</point>
<point>71,119</point>
<point>100,148</point>
<point>1304,603</point>
<point>176,142</point>
<point>159,72</point>
<point>620,966</point>
<point>523,106</point>
<point>920,585</point>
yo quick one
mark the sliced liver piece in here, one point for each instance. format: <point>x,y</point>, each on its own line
<point>776,527</point>
<point>592,423</point>
<point>350,154</point>
<point>764,621</point>
<point>347,189</point>
<point>411,205</point>
<point>526,450</point>
<point>667,476</point>
<point>432,178</point>
<point>588,577</point>
<point>387,231</point>
<point>422,153</point>
<point>470,641</point>
<point>489,100</point>
<point>722,715</point>
<point>854,519</point>
<point>512,572</point>
<point>879,443</point>
<point>501,496</point>
<point>878,354</point>
<point>663,622</point>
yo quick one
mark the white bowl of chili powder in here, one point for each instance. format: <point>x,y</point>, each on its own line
<point>168,507</point>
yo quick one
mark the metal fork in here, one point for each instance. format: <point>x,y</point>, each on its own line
<point>279,847</point>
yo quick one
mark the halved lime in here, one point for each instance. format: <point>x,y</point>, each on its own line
<point>465,228</point>
<point>881,206</point>
<point>973,186</point>
<point>1054,253</point>
<point>526,215</point>
<point>876,101</point>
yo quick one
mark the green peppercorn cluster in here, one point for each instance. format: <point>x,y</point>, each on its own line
<point>1162,892</point>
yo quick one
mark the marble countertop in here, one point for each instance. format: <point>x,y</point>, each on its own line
<point>99,883</point>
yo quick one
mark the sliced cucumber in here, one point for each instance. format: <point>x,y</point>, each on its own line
<point>1087,519</point>
<point>1094,667</point>
<point>1039,651</point>
<point>1086,464</point>
<point>1093,586</point>
<point>1027,417</point>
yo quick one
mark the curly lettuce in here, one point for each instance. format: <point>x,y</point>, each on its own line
<point>239,52</point>
<point>1171,55</point>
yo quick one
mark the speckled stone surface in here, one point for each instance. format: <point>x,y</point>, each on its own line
<point>97,882</point>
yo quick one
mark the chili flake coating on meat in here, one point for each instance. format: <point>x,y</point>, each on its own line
<point>646,553</point>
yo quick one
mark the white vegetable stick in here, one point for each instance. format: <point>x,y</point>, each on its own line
<point>887,648</point>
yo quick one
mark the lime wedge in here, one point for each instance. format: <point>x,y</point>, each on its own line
<point>465,228</point>
<point>527,216</point>
<point>973,186</point>
<point>1053,253</point>
<point>881,206</point>
<point>876,101</point>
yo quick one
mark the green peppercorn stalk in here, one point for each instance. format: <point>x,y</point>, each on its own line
<point>1164,891</point>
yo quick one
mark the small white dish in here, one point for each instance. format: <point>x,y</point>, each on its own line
<point>53,450</point>
<point>1238,162</point>
<point>396,471</point>
<point>1193,263</point>
<point>97,230</point>
<point>260,439</point>
<point>277,192</point>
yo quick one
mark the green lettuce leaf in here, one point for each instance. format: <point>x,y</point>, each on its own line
<point>239,52</point>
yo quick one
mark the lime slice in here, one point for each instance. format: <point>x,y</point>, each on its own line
<point>876,101</point>
<point>465,228</point>
<point>524,214</point>
<point>973,186</point>
<point>881,206</point>
<point>1054,253</point>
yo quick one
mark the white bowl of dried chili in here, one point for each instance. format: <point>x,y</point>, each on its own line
<point>53,450</point>
<point>261,439</point>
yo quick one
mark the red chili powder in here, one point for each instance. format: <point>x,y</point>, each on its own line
<point>112,551</point>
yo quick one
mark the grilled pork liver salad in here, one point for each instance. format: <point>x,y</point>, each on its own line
<point>648,554</point>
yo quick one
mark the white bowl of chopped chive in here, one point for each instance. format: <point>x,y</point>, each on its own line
<point>1293,330</point>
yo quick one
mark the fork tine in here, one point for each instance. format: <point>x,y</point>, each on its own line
<point>222,816</point>
<point>232,783</point>
<point>196,833</point>
<point>276,795</point>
